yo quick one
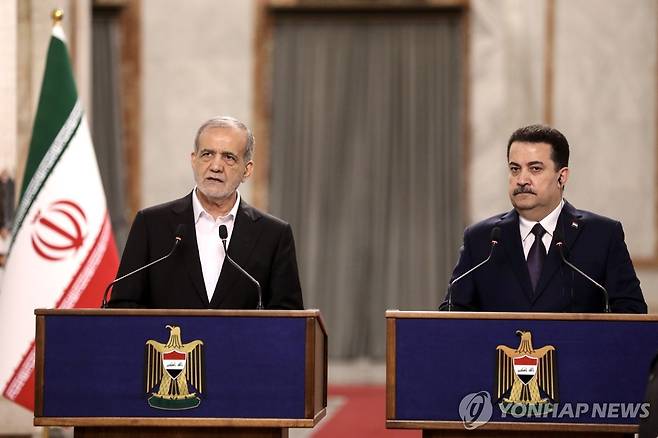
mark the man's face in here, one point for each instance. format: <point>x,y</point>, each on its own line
<point>219,165</point>
<point>535,185</point>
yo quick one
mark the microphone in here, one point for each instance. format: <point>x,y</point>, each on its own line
<point>223,234</point>
<point>559,242</point>
<point>180,233</point>
<point>494,238</point>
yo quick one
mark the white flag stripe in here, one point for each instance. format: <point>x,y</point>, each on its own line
<point>47,163</point>
<point>25,371</point>
<point>58,32</point>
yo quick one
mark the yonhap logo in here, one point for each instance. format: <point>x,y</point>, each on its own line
<point>475,409</point>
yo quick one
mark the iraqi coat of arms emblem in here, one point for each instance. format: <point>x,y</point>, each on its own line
<point>176,370</point>
<point>525,375</point>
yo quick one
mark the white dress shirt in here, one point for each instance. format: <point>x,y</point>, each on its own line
<point>211,251</point>
<point>549,223</point>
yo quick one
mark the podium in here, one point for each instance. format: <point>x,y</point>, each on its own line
<point>455,374</point>
<point>166,373</point>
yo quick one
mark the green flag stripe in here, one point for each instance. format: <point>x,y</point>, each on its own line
<point>46,166</point>
<point>56,101</point>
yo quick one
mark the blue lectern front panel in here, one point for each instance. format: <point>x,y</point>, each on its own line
<point>599,374</point>
<point>253,367</point>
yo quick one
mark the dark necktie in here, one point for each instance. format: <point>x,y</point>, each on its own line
<point>536,255</point>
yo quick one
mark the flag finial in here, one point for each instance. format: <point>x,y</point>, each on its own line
<point>57,15</point>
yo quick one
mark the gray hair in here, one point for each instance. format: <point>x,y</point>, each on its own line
<point>228,122</point>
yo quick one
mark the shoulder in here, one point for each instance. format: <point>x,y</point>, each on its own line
<point>177,205</point>
<point>484,227</point>
<point>260,217</point>
<point>589,218</point>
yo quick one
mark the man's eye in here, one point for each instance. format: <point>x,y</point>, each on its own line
<point>536,169</point>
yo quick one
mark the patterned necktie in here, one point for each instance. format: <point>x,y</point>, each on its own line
<point>536,255</point>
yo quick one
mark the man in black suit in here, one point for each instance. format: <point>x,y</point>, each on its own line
<point>197,276</point>
<point>526,272</point>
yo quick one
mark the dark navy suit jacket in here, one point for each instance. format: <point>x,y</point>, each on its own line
<point>593,243</point>
<point>262,244</point>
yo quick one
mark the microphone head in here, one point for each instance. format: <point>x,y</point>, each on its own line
<point>180,232</point>
<point>557,237</point>
<point>495,234</point>
<point>223,232</point>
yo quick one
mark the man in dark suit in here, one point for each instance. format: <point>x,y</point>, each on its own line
<point>526,272</point>
<point>197,276</point>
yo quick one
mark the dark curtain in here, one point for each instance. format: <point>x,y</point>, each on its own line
<point>366,164</point>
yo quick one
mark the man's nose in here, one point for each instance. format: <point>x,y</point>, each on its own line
<point>523,178</point>
<point>216,165</point>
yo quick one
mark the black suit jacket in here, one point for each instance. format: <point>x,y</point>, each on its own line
<point>262,244</point>
<point>593,243</point>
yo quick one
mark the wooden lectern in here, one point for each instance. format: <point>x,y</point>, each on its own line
<point>457,374</point>
<point>174,373</point>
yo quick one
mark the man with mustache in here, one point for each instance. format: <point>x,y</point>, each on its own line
<point>196,276</point>
<point>526,272</point>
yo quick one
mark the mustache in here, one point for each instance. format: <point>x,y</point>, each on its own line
<point>524,189</point>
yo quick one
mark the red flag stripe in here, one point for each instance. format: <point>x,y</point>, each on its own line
<point>174,355</point>
<point>525,360</point>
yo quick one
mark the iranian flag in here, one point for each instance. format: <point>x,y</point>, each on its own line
<point>62,252</point>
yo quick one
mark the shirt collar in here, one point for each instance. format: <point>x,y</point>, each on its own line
<point>549,222</point>
<point>198,209</point>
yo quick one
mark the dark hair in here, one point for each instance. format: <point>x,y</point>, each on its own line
<point>544,134</point>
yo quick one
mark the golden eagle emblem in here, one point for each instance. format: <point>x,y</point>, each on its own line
<point>172,367</point>
<point>526,375</point>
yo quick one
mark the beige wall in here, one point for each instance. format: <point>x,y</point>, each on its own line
<point>197,63</point>
<point>506,91</point>
<point>605,96</point>
<point>12,418</point>
<point>8,34</point>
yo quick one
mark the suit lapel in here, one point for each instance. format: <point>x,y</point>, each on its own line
<point>184,214</point>
<point>569,223</point>
<point>243,240</point>
<point>571,226</point>
<point>511,241</point>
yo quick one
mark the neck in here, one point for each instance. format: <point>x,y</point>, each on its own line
<point>217,207</point>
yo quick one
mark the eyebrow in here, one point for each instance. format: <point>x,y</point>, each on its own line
<point>532,163</point>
